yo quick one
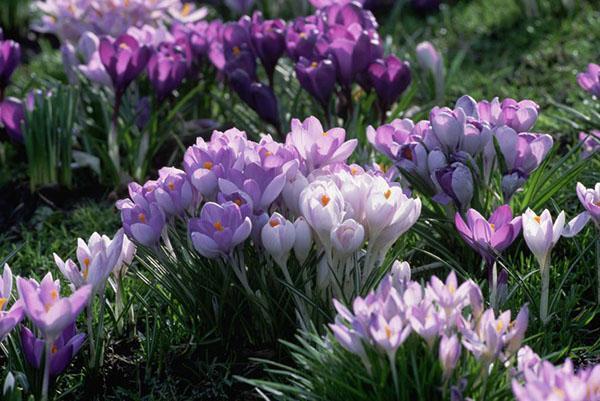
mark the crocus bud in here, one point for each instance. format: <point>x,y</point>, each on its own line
<point>456,183</point>
<point>390,77</point>
<point>400,272</point>
<point>256,95</point>
<point>278,237</point>
<point>347,237</point>
<point>317,78</point>
<point>167,68</point>
<point>449,353</point>
<point>516,331</point>
<point>268,41</point>
<point>291,191</point>
<point>303,242</point>
<point>430,59</point>
<point>10,57</point>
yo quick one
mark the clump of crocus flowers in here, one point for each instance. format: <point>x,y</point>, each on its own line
<point>297,196</point>
<point>452,154</point>
<point>450,318</point>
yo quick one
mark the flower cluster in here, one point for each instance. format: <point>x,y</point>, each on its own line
<point>250,189</point>
<point>442,313</point>
<point>11,110</point>
<point>453,154</point>
<point>540,380</point>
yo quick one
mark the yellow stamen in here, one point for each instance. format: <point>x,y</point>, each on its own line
<point>267,154</point>
<point>3,302</point>
<point>207,165</point>
<point>54,295</point>
<point>325,133</point>
<point>86,273</point>
<point>451,288</point>
<point>537,219</point>
<point>314,64</point>
<point>353,171</point>
<point>387,194</point>
<point>86,262</point>
<point>274,223</point>
<point>187,8</point>
<point>238,202</point>
<point>388,332</point>
<point>499,326</point>
<point>142,217</point>
<point>123,45</point>
<point>325,200</point>
<point>236,50</point>
<point>54,349</point>
<point>171,186</point>
<point>218,226</point>
<point>493,226</point>
<point>302,35</point>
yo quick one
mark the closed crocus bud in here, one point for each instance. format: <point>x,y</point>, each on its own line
<point>448,127</point>
<point>430,59</point>
<point>10,57</point>
<point>12,116</point>
<point>390,77</point>
<point>124,59</point>
<point>268,41</point>
<point>400,272</point>
<point>516,331</point>
<point>317,78</point>
<point>256,95</point>
<point>303,241</point>
<point>347,237</point>
<point>449,353</point>
<point>456,184</point>
<point>291,191</point>
<point>278,237</point>
<point>590,80</point>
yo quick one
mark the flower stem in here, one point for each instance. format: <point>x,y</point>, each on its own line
<point>90,330</point>
<point>113,142</point>
<point>545,270</point>
<point>394,373</point>
<point>46,380</point>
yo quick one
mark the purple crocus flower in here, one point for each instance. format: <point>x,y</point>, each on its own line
<point>142,220</point>
<point>268,41</point>
<point>522,153</point>
<point>44,307</point>
<point>591,143</point>
<point>175,193</point>
<point>8,318</point>
<point>219,229</point>
<point>449,353</point>
<point>62,351</point>
<point>256,95</point>
<point>489,238</point>
<point>301,37</point>
<point>167,68</point>
<point>316,147</point>
<point>124,59</point>
<point>12,116</point>
<point>590,199</point>
<point>10,57</point>
<point>590,80</point>
<point>455,183</point>
<point>518,115</point>
<point>317,78</point>
<point>390,77</point>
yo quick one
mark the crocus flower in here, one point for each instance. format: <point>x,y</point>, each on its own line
<point>455,183</point>
<point>167,67</point>
<point>219,229</point>
<point>322,206</point>
<point>175,193</point>
<point>268,41</point>
<point>489,238</point>
<point>347,237</point>
<point>591,143</point>
<point>390,77</point>
<point>124,59</point>
<point>317,147</point>
<point>256,95</point>
<point>485,340</point>
<point>317,78</point>
<point>541,235</point>
<point>8,318</point>
<point>431,60</point>
<point>449,296</point>
<point>278,237</point>
<point>301,37</point>
<point>12,116</point>
<point>62,351</point>
<point>97,259</point>
<point>590,199</point>
<point>10,57</point>
<point>518,115</point>
<point>449,353</point>
<point>44,307</point>
<point>590,79</point>
<point>303,242</point>
<point>142,220</point>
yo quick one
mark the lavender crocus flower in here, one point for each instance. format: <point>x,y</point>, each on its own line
<point>301,37</point>
<point>268,42</point>
<point>316,147</point>
<point>455,183</point>
<point>489,238</point>
<point>590,199</point>
<point>44,307</point>
<point>219,229</point>
<point>390,77</point>
<point>591,143</point>
<point>259,97</point>
<point>175,193</point>
<point>11,317</point>
<point>62,350</point>
<point>449,353</point>
<point>167,67</point>
<point>317,78</point>
<point>124,59</point>
<point>431,60</point>
<point>142,220</point>
<point>590,79</point>
<point>12,116</point>
<point>10,57</point>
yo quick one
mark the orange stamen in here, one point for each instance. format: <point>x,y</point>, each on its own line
<point>207,165</point>
<point>274,223</point>
<point>142,218</point>
<point>387,194</point>
<point>325,200</point>
<point>218,226</point>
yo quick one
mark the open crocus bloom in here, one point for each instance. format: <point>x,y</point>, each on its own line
<point>8,319</point>
<point>541,234</point>
<point>590,199</point>
<point>46,309</point>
